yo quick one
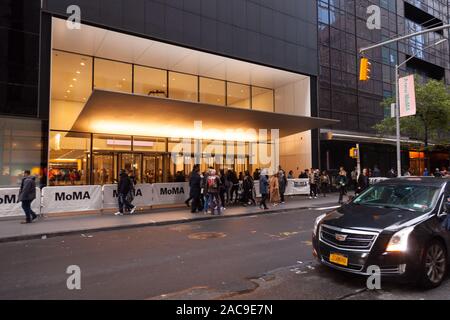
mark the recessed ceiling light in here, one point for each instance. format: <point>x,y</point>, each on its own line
<point>74,79</point>
<point>68,91</point>
<point>82,64</point>
<point>71,86</point>
<point>78,72</point>
<point>123,79</point>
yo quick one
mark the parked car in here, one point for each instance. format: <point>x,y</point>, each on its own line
<point>400,225</point>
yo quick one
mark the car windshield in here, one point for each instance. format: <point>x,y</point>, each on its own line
<point>408,197</point>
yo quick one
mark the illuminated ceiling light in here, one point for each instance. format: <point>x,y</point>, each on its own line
<point>74,79</point>
<point>78,72</point>
<point>123,79</point>
<point>82,64</point>
<point>71,86</point>
<point>68,91</point>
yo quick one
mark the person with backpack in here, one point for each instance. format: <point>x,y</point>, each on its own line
<point>124,187</point>
<point>212,186</point>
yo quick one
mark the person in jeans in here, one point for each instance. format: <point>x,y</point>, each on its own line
<point>27,194</point>
<point>342,182</point>
<point>263,189</point>
<point>124,186</point>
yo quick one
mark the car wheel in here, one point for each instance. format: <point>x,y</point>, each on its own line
<point>434,265</point>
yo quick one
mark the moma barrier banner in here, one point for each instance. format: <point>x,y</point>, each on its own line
<point>376,180</point>
<point>143,196</point>
<point>10,205</point>
<point>170,193</point>
<point>71,199</point>
<point>297,186</point>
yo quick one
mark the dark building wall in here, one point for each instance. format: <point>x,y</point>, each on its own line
<point>279,33</point>
<point>342,31</point>
<point>19,57</point>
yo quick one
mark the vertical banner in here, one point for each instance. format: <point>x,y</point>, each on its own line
<point>143,196</point>
<point>10,205</point>
<point>407,95</point>
<point>170,193</point>
<point>71,199</point>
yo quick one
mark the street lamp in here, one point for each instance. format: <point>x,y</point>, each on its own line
<point>397,103</point>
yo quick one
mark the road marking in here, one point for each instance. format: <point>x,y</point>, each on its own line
<point>326,208</point>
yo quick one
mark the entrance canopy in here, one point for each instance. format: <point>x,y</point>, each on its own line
<point>120,113</point>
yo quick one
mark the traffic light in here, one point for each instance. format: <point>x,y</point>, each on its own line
<point>353,153</point>
<point>365,69</point>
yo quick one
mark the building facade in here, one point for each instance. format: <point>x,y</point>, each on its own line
<point>129,84</point>
<point>342,32</point>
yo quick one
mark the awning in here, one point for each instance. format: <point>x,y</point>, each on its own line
<point>128,114</point>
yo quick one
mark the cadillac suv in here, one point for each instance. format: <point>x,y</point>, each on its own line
<point>400,225</point>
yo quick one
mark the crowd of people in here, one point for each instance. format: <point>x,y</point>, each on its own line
<point>212,191</point>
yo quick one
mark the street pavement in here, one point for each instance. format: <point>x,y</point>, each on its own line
<point>248,257</point>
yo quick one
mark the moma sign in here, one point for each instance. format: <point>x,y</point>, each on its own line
<point>71,199</point>
<point>10,205</point>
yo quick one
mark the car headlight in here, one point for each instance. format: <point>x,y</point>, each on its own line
<point>316,223</point>
<point>399,241</point>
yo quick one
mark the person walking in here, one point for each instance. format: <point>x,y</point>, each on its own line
<point>263,189</point>
<point>234,187</point>
<point>282,182</point>
<point>426,173</point>
<point>274,190</point>
<point>354,177</point>
<point>248,185</point>
<point>195,181</point>
<point>222,188</point>
<point>312,184</point>
<point>27,194</point>
<point>324,183</point>
<point>363,182</point>
<point>342,182</point>
<point>124,187</point>
<point>212,186</point>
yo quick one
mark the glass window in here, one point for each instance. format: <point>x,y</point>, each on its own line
<point>112,75</point>
<point>68,158</point>
<point>212,91</point>
<point>238,95</point>
<point>150,81</point>
<point>262,99</point>
<point>20,149</point>
<point>183,86</point>
<point>71,77</point>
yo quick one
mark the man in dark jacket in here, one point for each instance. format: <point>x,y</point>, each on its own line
<point>124,186</point>
<point>195,182</point>
<point>363,181</point>
<point>263,189</point>
<point>27,194</point>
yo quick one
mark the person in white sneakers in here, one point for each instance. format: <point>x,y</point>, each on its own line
<point>124,186</point>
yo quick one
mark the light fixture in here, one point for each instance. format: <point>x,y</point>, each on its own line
<point>82,64</point>
<point>71,86</point>
<point>68,91</point>
<point>78,72</point>
<point>74,79</point>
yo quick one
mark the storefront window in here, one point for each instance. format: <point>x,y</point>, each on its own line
<point>71,87</point>
<point>183,86</point>
<point>238,95</point>
<point>112,75</point>
<point>150,81</point>
<point>212,91</point>
<point>262,99</point>
<point>20,149</point>
<point>69,158</point>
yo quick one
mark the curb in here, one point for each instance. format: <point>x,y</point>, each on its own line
<point>147,224</point>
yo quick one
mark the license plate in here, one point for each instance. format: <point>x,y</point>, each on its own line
<point>339,259</point>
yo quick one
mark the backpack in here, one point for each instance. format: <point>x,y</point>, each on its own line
<point>212,182</point>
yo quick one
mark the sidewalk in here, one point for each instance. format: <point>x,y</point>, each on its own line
<point>13,230</point>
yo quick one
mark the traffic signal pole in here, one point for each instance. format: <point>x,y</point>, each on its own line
<point>397,76</point>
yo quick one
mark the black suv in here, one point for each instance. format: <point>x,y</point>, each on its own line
<point>399,225</point>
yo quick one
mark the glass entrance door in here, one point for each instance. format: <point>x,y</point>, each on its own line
<point>131,162</point>
<point>152,168</point>
<point>104,169</point>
